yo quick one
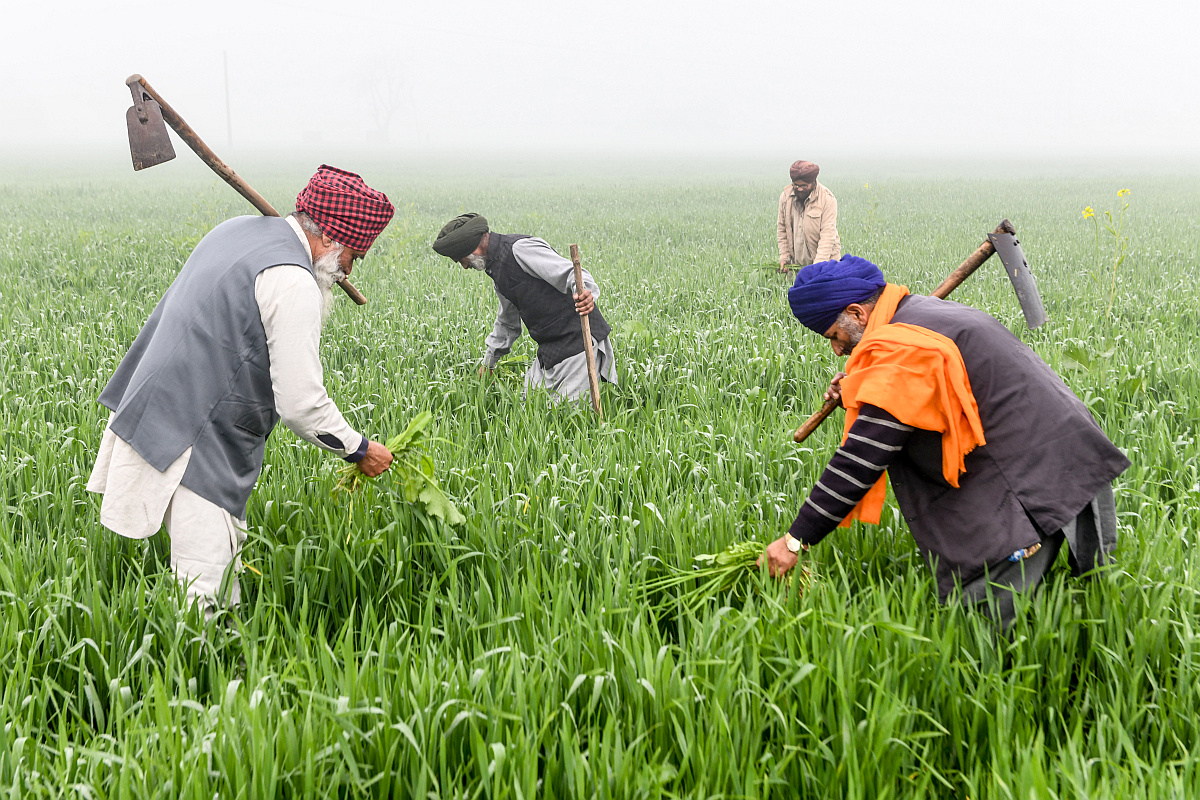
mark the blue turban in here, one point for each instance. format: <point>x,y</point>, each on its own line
<point>823,290</point>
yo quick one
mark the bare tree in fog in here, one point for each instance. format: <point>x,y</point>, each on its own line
<point>389,92</point>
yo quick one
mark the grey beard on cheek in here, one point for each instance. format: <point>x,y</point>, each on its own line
<point>476,262</point>
<point>327,272</point>
<point>854,332</point>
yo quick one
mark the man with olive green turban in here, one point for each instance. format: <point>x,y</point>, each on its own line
<point>535,286</point>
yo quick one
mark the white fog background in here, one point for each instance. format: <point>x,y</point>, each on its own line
<point>1093,80</point>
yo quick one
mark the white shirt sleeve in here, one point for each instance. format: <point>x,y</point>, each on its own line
<point>504,333</point>
<point>289,303</point>
<point>539,259</point>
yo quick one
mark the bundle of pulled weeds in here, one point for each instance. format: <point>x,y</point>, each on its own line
<point>733,571</point>
<point>413,469</point>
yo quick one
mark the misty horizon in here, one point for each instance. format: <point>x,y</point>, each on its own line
<point>765,80</point>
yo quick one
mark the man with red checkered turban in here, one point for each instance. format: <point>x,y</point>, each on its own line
<point>230,350</point>
<point>807,226</point>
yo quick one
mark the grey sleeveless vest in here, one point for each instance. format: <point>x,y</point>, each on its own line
<point>198,374</point>
<point>1045,457</point>
<point>549,314</point>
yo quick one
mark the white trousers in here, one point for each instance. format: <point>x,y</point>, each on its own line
<point>568,379</point>
<point>138,500</point>
<point>205,541</point>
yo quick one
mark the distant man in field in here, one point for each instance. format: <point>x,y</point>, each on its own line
<point>993,460</point>
<point>807,226</point>
<point>230,350</point>
<point>535,286</point>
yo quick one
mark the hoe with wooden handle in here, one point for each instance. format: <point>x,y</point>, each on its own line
<point>1003,239</point>
<point>593,378</point>
<point>149,145</point>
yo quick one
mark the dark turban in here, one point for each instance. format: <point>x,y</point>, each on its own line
<point>344,208</point>
<point>804,169</point>
<point>823,290</point>
<point>459,237</point>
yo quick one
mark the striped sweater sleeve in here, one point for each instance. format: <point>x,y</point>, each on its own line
<point>875,439</point>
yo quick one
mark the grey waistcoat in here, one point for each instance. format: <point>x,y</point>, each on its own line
<point>549,314</point>
<point>1044,461</point>
<point>198,374</point>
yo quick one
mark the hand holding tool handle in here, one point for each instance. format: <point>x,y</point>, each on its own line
<point>593,378</point>
<point>814,422</point>
<point>973,262</point>
<point>218,166</point>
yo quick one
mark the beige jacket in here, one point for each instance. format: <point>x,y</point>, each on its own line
<point>816,222</point>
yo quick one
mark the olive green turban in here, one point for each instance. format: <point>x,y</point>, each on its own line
<point>459,237</point>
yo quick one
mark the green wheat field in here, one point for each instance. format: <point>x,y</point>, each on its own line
<point>380,654</point>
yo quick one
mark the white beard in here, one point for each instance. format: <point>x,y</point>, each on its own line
<point>327,271</point>
<point>476,262</point>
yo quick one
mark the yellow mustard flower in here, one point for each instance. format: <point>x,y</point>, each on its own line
<point>1122,193</point>
<point>1088,213</point>
<point>866,186</point>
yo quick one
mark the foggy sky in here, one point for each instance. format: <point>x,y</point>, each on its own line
<point>799,79</point>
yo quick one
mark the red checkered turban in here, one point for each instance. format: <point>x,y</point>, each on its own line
<point>804,169</point>
<point>344,208</point>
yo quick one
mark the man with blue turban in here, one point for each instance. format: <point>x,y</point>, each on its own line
<point>823,291</point>
<point>994,462</point>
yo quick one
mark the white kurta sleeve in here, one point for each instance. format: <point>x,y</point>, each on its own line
<point>539,259</point>
<point>504,333</point>
<point>289,303</point>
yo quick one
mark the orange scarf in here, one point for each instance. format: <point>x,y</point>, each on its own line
<point>918,377</point>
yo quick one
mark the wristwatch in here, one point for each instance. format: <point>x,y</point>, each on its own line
<point>794,545</point>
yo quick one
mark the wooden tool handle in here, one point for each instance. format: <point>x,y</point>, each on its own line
<point>973,262</point>
<point>814,422</point>
<point>354,294</point>
<point>210,158</point>
<point>593,378</point>
<point>192,140</point>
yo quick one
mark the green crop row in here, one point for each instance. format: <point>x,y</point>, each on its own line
<point>380,654</point>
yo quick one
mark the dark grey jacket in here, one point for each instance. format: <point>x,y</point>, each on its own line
<point>198,375</point>
<point>1045,457</point>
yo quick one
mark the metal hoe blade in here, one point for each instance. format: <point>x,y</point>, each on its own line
<point>1011,255</point>
<point>149,142</point>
